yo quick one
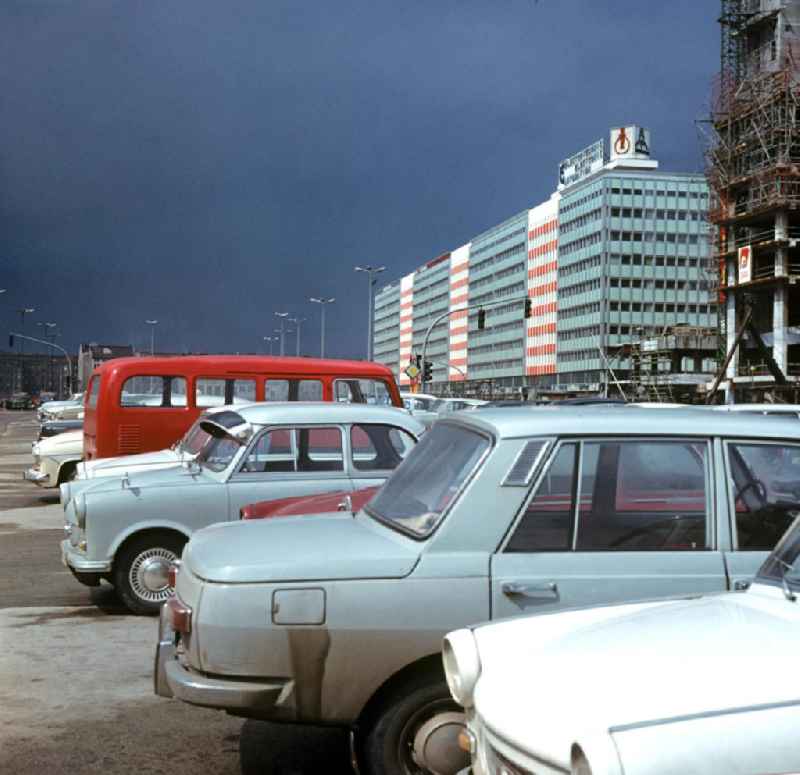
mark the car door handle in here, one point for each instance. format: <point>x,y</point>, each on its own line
<point>740,585</point>
<point>514,589</point>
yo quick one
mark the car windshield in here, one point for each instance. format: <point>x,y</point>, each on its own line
<point>783,565</point>
<point>416,496</point>
<point>194,440</point>
<point>218,453</point>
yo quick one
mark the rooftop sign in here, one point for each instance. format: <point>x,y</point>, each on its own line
<point>580,165</point>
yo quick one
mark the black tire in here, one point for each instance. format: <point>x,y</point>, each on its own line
<point>388,741</point>
<point>267,748</point>
<point>160,547</point>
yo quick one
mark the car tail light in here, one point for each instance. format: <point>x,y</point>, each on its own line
<point>172,573</point>
<point>180,616</point>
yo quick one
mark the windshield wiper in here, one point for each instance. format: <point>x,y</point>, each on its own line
<point>787,591</point>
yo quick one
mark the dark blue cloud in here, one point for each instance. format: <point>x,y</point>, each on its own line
<point>210,163</point>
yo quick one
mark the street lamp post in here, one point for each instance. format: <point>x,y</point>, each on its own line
<point>297,322</point>
<point>371,271</point>
<point>152,324</point>
<point>47,330</point>
<point>322,303</point>
<point>282,316</point>
<point>22,312</point>
<point>269,339</point>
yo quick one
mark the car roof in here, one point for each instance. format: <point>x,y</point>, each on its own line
<point>282,412</point>
<point>601,420</point>
<point>782,408</point>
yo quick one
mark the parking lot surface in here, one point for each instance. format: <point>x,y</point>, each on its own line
<point>76,670</point>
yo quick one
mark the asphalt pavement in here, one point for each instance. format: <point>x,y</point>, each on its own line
<point>76,669</point>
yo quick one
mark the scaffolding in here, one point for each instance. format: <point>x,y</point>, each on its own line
<point>753,169</point>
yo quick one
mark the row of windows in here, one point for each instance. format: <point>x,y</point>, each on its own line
<point>627,191</point>
<point>488,348</point>
<point>509,363</point>
<point>578,333</point>
<point>492,278</point>
<point>585,199</point>
<point>509,290</point>
<point>636,306</point>
<point>579,266</point>
<point>661,215</point>
<point>581,309</point>
<point>635,282</point>
<point>581,220</point>
<point>578,288</point>
<point>636,259</point>
<point>420,307</point>
<point>577,355</point>
<point>489,245</point>
<point>580,243</point>
<point>501,256</point>
<point>514,325</point>
<point>649,236</point>
<point>436,279</point>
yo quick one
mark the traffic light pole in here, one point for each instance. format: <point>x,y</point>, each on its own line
<point>13,334</point>
<point>525,300</point>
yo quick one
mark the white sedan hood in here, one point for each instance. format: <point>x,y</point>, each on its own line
<point>545,683</point>
<point>67,443</point>
<point>116,466</point>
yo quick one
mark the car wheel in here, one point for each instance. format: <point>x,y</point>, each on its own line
<point>140,571</point>
<point>416,732</point>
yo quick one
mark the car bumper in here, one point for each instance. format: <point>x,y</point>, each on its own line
<point>172,679</point>
<point>74,559</point>
<point>37,477</point>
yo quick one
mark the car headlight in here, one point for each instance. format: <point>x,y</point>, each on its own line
<point>462,665</point>
<point>80,510</point>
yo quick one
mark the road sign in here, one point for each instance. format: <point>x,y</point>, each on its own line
<point>412,372</point>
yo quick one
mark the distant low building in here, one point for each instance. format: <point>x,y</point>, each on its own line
<point>90,356</point>
<point>32,373</point>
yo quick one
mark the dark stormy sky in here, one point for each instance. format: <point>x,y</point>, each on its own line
<point>210,162</point>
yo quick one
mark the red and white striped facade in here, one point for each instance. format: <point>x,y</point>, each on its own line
<point>540,340</point>
<point>406,325</point>
<point>459,320</point>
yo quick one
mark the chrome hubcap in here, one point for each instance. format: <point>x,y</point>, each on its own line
<point>149,574</point>
<point>436,744</point>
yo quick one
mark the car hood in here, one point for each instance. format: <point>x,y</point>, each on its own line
<point>151,478</point>
<point>303,548</point>
<point>119,465</point>
<point>635,664</point>
<point>64,443</point>
<point>308,504</point>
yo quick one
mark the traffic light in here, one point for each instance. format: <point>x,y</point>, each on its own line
<point>481,319</point>
<point>528,307</point>
<point>427,372</point>
<point>11,341</point>
<point>419,361</point>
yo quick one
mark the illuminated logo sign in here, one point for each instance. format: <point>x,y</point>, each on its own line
<point>630,142</point>
<point>745,264</point>
<point>581,165</point>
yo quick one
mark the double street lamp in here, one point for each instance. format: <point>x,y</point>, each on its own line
<point>297,322</point>
<point>281,330</point>
<point>323,302</point>
<point>270,339</point>
<point>371,271</point>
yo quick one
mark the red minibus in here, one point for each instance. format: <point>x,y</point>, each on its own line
<point>143,404</point>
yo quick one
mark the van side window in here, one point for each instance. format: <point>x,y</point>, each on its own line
<point>152,391</point>
<point>218,392</point>
<point>362,391</point>
<point>292,390</point>
<point>765,485</point>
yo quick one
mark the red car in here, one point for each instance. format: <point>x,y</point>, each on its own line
<point>309,504</point>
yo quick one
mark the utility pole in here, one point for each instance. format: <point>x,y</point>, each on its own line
<point>323,302</point>
<point>370,271</point>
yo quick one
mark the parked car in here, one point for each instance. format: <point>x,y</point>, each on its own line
<point>418,401</point>
<point>54,427</point>
<point>19,402</point>
<point>704,686</point>
<point>55,459</point>
<point>494,514</point>
<point>129,529</point>
<point>51,410</point>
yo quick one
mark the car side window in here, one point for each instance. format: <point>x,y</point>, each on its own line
<point>547,524</point>
<point>153,391</point>
<point>292,390</point>
<point>218,392</point>
<point>378,447</point>
<point>303,450</point>
<point>362,391</point>
<point>634,496</point>
<point>764,480</point>
<point>643,495</point>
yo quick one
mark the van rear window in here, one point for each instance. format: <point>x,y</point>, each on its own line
<point>153,391</point>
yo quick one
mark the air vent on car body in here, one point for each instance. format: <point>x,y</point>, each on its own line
<point>129,439</point>
<point>526,463</point>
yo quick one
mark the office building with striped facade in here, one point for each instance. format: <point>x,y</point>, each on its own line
<point>619,252</point>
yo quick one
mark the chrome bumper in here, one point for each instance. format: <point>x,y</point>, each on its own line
<point>36,476</point>
<point>72,558</point>
<point>172,679</point>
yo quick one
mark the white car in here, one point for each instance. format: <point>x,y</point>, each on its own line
<point>696,686</point>
<point>184,450</point>
<point>62,410</point>
<point>55,459</point>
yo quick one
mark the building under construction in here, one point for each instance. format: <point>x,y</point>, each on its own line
<point>754,176</point>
